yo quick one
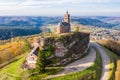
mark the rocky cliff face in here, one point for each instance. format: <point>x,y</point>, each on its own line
<point>64,48</point>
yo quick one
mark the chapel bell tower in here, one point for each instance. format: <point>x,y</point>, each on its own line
<point>67,17</point>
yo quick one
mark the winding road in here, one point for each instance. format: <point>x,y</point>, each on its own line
<point>81,64</point>
<point>105,60</point>
<point>87,61</point>
<point>78,65</point>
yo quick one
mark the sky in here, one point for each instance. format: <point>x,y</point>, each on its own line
<point>59,7</point>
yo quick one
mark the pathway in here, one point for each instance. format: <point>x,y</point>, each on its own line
<point>105,61</point>
<point>78,65</point>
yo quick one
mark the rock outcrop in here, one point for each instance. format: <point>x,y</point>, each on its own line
<point>67,47</point>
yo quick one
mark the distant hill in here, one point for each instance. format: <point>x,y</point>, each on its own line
<point>6,33</point>
<point>38,21</point>
<point>26,21</point>
<point>111,20</point>
<point>27,25</point>
<point>93,22</point>
<point>20,21</point>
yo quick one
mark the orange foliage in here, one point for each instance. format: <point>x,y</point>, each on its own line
<point>11,50</point>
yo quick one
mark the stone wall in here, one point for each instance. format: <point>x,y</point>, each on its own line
<point>67,47</point>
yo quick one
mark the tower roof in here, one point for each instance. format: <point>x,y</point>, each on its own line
<point>67,11</point>
<point>63,24</point>
<point>60,24</point>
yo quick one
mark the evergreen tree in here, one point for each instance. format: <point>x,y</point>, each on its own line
<point>27,45</point>
<point>40,65</point>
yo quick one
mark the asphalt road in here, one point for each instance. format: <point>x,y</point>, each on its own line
<point>105,60</point>
<point>87,61</point>
<point>78,65</point>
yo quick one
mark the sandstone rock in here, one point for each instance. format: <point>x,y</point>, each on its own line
<point>68,47</point>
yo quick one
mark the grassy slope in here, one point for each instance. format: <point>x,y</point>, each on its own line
<point>50,71</point>
<point>12,70</point>
<point>113,59</point>
<point>95,70</point>
<point>98,66</point>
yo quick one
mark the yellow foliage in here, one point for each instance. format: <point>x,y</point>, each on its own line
<point>117,73</point>
<point>9,49</point>
<point>12,49</point>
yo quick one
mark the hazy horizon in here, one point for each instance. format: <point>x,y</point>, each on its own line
<point>58,8</point>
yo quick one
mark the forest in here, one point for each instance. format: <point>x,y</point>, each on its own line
<point>10,32</point>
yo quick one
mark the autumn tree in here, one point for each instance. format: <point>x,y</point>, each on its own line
<point>10,50</point>
<point>76,29</point>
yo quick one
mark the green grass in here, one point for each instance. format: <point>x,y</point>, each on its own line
<point>34,75</point>
<point>97,66</point>
<point>95,70</point>
<point>52,28</point>
<point>12,71</point>
<point>113,60</point>
<point>74,76</point>
<point>50,70</point>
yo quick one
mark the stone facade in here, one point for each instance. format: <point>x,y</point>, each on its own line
<point>32,58</point>
<point>64,26</point>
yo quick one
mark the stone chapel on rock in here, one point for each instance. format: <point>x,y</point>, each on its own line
<point>64,26</point>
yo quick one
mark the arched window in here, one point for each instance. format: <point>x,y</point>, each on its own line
<point>33,58</point>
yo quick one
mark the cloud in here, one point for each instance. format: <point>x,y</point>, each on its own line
<point>44,2</point>
<point>61,2</point>
<point>58,6</point>
<point>10,2</point>
<point>52,2</point>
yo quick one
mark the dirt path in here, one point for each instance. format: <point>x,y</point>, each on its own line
<point>78,65</point>
<point>105,61</point>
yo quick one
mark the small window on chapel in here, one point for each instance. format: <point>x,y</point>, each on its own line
<point>33,58</point>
